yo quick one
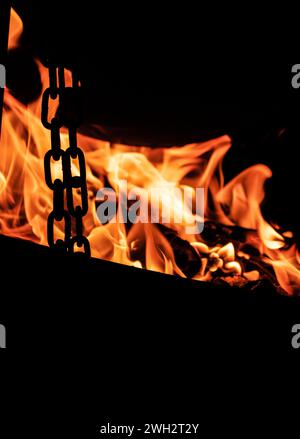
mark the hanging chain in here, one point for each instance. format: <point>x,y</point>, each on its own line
<point>67,115</point>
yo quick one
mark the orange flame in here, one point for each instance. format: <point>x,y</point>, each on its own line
<point>26,201</point>
<point>15,30</point>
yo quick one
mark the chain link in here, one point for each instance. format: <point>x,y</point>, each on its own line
<point>66,185</point>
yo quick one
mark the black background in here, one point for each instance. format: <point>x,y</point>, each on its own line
<point>99,342</point>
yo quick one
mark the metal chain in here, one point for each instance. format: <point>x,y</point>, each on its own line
<point>67,115</point>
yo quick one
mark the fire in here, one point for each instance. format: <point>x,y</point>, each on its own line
<point>15,30</point>
<point>26,201</point>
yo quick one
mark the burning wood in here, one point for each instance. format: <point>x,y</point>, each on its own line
<point>237,246</point>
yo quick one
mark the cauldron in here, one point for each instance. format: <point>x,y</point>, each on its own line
<point>152,77</point>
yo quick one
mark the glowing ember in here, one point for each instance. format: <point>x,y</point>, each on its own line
<point>26,201</point>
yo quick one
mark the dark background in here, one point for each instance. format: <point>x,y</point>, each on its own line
<point>106,342</point>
